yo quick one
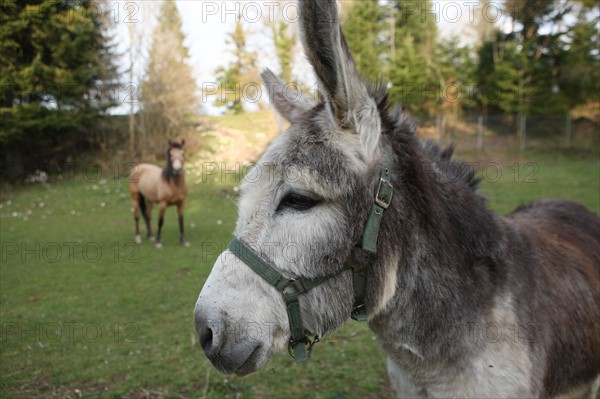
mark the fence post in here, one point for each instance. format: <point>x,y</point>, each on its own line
<point>479,132</point>
<point>522,131</point>
<point>568,128</point>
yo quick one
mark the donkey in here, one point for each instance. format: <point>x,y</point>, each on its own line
<point>349,214</point>
<point>149,184</point>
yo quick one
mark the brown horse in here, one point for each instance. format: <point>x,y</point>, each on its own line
<point>149,184</point>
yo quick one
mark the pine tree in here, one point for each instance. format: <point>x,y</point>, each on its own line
<point>57,71</point>
<point>241,77</point>
<point>579,68</point>
<point>169,91</point>
<point>284,39</point>
<point>529,69</point>
<point>364,23</point>
<point>457,66</point>
<point>414,72</point>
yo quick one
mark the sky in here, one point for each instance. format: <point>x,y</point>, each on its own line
<point>206,24</point>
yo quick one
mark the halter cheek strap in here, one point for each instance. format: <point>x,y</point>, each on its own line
<point>300,345</point>
<point>383,199</point>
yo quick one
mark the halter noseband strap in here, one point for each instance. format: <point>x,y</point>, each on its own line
<point>290,289</point>
<point>300,345</point>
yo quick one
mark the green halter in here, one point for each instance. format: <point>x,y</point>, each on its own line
<point>300,345</point>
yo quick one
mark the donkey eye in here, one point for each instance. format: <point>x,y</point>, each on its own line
<point>298,202</point>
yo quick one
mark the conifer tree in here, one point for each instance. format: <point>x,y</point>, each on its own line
<point>169,92</point>
<point>57,69</point>
<point>579,67</point>
<point>414,72</point>
<point>240,78</point>
<point>284,39</point>
<point>364,23</point>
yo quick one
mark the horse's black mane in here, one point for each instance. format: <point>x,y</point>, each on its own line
<point>167,171</point>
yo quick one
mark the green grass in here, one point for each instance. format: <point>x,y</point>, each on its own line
<point>52,305</point>
<point>510,183</point>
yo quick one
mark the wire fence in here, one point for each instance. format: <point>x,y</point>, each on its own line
<point>480,132</point>
<point>469,132</point>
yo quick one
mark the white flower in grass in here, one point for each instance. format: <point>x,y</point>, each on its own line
<point>73,212</point>
<point>193,225</point>
<point>219,222</point>
<point>41,204</point>
<point>102,204</point>
<point>15,214</point>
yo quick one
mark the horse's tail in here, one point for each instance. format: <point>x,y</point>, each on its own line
<point>142,202</point>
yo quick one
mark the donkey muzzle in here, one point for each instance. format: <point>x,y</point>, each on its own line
<point>226,346</point>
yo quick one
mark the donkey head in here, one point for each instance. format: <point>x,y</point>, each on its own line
<point>176,156</point>
<point>302,209</point>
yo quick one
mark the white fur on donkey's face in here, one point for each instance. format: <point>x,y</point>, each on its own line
<point>341,137</point>
<point>254,310</point>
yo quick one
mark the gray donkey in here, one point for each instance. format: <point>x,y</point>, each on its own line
<point>349,214</point>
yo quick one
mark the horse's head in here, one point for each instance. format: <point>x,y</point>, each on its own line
<point>302,210</point>
<point>176,156</point>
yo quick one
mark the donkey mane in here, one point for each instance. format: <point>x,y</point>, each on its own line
<point>396,123</point>
<point>456,169</point>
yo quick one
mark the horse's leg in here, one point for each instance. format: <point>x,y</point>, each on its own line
<point>161,214</point>
<point>182,238</point>
<point>148,219</point>
<point>136,215</point>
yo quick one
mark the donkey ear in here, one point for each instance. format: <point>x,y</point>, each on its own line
<point>289,102</point>
<point>339,81</point>
<point>182,142</point>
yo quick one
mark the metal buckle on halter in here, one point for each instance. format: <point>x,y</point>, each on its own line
<point>359,313</point>
<point>307,343</point>
<point>384,202</point>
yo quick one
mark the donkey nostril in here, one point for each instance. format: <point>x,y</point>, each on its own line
<point>210,334</point>
<point>206,339</point>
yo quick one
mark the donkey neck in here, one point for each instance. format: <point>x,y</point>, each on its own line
<point>442,261</point>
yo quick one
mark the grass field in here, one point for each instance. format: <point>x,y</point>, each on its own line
<point>84,312</point>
